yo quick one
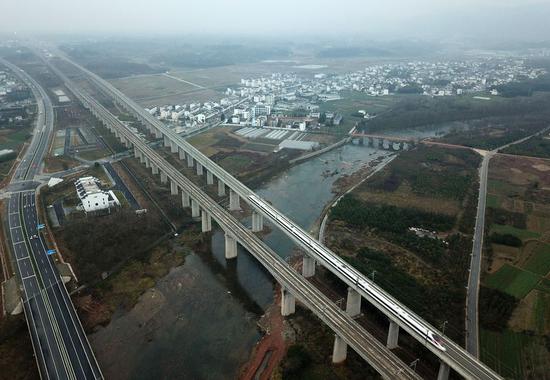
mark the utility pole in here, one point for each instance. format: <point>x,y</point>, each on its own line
<point>443,327</point>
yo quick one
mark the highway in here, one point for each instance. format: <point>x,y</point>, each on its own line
<point>472,330</point>
<point>376,353</point>
<point>31,163</point>
<point>60,346</point>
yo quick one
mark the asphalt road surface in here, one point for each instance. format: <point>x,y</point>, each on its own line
<point>60,345</point>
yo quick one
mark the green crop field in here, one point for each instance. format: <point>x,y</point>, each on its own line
<point>506,352</point>
<point>512,280</point>
<point>493,201</point>
<point>540,261</point>
<point>522,234</point>
<point>541,310</point>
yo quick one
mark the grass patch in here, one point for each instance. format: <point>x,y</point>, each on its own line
<point>96,154</point>
<point>236,163</point>
<point>539,262</point>
<point>493,201</point>
<point>544,285</point>
<point>503,188</point>
<point>513,281</point>
<point>541,309</point>
<point>518,232</point>
<point>13,140</point>
<point>121,198</point>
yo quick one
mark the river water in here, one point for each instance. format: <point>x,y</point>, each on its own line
<point>199,321</point>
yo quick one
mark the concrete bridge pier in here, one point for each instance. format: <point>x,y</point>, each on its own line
<point>142,158</point>
<point>154,169</point>
<point>137,154</point>
<point>200,169</point>
<point>393,335</point>
<point>206,221</point>
<point>288,302</point>
<point>190,161</point>
<point>166,141</point>
<point>195,210</point>
<point>181,154</point>
<point>340,350</point>
<point>353,303</point>
<point>221,188</point>
<point>173,187</point>
<point>185,199</point>
<point>163,177</point>
<point>257,222</point>
<point>308,266</point>
<point>209,178</point>
<point>234,201</point>
<point>230,247</point>
<point>173,147</point>
<point>444,371</point>
<point>157,133</point>
<point>147,162</point>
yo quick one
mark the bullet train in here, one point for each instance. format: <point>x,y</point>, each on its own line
<point>348,272</point>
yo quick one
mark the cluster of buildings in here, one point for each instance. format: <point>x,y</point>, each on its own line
<point>272,98</point>
<point>444,78</point>
<point>93,199</point>
<point>184,116</point>
<point>14,97</point>
<point>291,101</point>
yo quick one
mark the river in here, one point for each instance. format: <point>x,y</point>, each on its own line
<point>199,321</point>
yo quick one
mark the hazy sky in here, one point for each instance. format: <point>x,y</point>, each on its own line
<point>392,18</point>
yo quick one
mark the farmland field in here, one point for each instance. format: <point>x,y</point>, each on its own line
<point>159,89</point>
<point>513,281</point>
<point>520,233</point>
<point>539,263</point>
<point>514,355</point>
<point>518,203</point>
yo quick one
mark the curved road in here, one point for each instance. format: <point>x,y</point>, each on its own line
<point>61,348</point>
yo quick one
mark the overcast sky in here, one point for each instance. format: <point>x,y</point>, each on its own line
<point>371,18</point>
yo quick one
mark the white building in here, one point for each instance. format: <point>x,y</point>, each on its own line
<point>200,118</point>
<point>92,197</point>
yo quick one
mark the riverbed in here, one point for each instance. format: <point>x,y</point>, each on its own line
<point>199,321</point>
